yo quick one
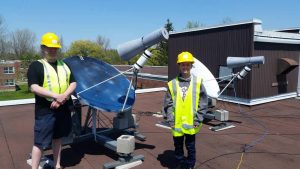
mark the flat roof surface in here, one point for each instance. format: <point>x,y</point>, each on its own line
<point>279,150</point>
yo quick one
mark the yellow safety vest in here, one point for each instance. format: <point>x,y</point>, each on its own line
<point>53,81</point>
<point>185,110</point>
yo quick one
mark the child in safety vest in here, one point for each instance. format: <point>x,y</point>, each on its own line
<point>185,103</point>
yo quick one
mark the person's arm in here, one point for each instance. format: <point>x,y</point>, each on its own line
<point>68,92</point>
<point>35,76</point>
<point>62,98</point>
<point>40,91</point>
<point>202,106</point>
<point>168,108</point>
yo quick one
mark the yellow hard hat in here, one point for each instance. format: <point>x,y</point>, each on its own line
<point>185,57</point>
<point>50,40</point>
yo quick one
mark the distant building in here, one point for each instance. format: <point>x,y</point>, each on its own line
<point>148,76</point>
<point>9,71</point>
<point>276,79</point>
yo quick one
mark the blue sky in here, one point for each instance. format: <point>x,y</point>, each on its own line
<point>124,20</point>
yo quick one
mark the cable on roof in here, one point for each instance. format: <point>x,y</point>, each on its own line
<point>241,160</point>
<point>263,135</point>
<point>253,143</point>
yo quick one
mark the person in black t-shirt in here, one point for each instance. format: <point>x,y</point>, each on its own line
<point>52,82</point>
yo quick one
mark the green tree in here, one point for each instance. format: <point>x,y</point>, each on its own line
<point>156,58</point>
<point>62,50</point>
<point>193,24</point>
<point>160,55</point>
<point>113,57</point>
<point>94,49</point>
<point>85,48</point>
<point>134,59</point>
<point>103,41</point>
<point>227,20</point>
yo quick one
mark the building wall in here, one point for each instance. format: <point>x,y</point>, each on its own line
<point>4,77</point>
<point>266,75</point>
<point>212,47</point>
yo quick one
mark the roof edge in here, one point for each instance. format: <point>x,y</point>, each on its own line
<point>253,102</point>
<point>254,21</point>
<point>288,29</point>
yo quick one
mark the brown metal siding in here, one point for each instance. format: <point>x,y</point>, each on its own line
<point>212,47</point>
<point>263,77</point>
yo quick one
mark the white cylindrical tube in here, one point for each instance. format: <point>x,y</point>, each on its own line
<point>244,72</point>
<point>130,49</point>
<point>142,60</point>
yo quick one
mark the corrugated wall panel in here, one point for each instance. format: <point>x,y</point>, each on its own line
<point>212,47</point>
<point>263,77</point>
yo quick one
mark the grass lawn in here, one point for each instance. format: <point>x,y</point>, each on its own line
<point>21,94</point>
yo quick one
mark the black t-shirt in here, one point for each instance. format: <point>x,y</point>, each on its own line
<point>35,75</point>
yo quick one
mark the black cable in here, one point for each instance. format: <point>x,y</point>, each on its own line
<point>5,138</point>
<point>247,147</point>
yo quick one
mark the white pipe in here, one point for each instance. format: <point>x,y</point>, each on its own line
<point>149,90</point>
<point>130,165</point>
<point>142,60</point>
<point>163,126</point>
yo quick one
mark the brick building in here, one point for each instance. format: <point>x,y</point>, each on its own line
<point>9,71</point>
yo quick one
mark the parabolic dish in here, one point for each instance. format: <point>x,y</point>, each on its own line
<point>209,81</point>
<point>108,96</point>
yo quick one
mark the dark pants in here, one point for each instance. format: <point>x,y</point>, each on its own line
<point>51,126</point>
<point>190,146</point>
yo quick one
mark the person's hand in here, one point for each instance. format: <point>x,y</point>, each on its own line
<point>54,105</point>
<point>61,98</point>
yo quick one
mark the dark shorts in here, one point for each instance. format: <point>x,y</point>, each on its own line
<point>51,126</point>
